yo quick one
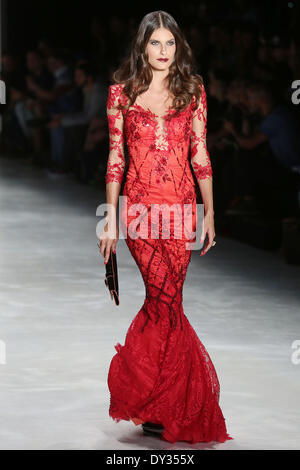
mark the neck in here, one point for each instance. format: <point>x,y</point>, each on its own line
<point>158,82</point>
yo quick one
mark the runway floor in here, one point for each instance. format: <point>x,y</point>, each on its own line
<point>58,326</point>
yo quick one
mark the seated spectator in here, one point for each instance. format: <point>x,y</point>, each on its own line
<point>281,70</point>
<point>42,77</point>
<point>45,47</point>
<point>94,101</point>
<point>92,160</point>
<point>63,97</point>
<point>16,133</point>
<point>11,71</point>
<point>223,102</point>
<point>75,125</point>
<point>280,130</point>
<point>62,83</point>
<point>38,71</point>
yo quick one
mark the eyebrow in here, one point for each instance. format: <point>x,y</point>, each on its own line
<point>172,39</point>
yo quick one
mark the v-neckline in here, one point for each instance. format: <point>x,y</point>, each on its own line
<point>154,115</point>
<point>148,110</point>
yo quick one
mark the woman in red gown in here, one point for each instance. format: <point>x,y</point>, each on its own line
<point>163,373</point>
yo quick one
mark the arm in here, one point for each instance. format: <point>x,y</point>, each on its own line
<point>115,166</point>
<point>199,154</point>
<point>250,142</point>
<point>246,142</point>
<point>92,107</point>
<point>48,95</point>
<point>116,158</point>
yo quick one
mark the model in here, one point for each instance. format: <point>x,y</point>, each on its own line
<point>163,376</point>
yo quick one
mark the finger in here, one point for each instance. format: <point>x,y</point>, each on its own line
<point>103,248</point>
<point>203,233</point>
<point>205,249</point>
<point>107,255</point>
<point>209,244</point>
<point>107,252</point>
<point>99,244</point>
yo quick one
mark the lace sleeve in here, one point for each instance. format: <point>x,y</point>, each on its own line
<point>199,154</point>
<point>116,159</point>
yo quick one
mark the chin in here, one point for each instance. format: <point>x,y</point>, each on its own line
<point>160,66</point>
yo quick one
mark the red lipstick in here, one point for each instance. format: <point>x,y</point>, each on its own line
<point>163,60</point>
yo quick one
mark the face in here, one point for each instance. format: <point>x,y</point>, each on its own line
<point>80,77</point>
<point>161,45</point>
<point>33,61</point>
<point>252,101</point>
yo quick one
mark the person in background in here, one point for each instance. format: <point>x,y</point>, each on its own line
<point>278,168</point>
<point>94,98</point>
<point>41,76</point>
<point>16,133</point>
<point>61,98</point>
<point>92,161</point>
<point>11,70</point>
<point>75,125</point>
<point>38,70</point>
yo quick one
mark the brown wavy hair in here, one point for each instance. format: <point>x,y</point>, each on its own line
<point>135,72</point>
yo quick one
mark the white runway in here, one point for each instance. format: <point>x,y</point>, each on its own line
<point>59,326</point>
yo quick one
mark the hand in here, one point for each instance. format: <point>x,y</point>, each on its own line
<point>109,239</point>
<point>208,227</point>
<point>53,124</point>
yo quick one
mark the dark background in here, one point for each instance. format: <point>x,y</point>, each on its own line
<point>30,19</point>
<point>237,44</point>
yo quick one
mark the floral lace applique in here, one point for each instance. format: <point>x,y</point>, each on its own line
<point>160,124</point>
<point>199,154</point>
<point>116,159</point>
<point>167,138</point>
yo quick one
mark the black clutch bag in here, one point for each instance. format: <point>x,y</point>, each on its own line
<point>111,277</point>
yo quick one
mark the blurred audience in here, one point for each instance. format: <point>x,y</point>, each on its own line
<point>57,105</point>
<point>75,125</point>
<point>273,169</point>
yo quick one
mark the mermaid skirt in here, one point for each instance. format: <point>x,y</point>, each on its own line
<point>163,373</point>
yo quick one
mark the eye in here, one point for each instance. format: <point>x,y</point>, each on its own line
<point>171,42</point>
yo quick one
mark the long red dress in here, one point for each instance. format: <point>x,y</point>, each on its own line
<point>163,373</point>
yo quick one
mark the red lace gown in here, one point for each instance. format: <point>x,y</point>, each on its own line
<point>163,373</point>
